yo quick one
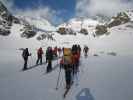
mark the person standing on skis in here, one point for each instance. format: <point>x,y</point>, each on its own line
<point>86,49</point>
<point>75,62</point>
<point>67,60</point>
<point>49,54</point>
<point>25,56</point>
<point>46,55</point>
<point>39,55</point>
<point>79,49</point>
<point>55,51</point>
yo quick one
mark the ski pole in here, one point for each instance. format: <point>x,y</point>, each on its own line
<point>58,79</point>
<point>31,59</point>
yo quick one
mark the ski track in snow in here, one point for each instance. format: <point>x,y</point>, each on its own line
<point>106,78</point>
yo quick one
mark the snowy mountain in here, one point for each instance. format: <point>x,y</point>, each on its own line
<point>79,25</point>
<point>96,26</point>
<point>40,26</point>
<point>6,20</point>
<point>42,29</point>
<point>29,26</point>
<point>79,30</point>
<point>38,23</point>
<point>76,24</point>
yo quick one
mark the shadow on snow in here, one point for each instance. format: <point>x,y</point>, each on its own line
<point>84,94</point>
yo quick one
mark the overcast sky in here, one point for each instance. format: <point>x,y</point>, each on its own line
<point>57,11</point>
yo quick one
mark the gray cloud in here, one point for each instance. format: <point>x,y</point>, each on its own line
<point>40,12</point>
<point>106,7</point>
<point>43,12</point>
<point>8,3</point>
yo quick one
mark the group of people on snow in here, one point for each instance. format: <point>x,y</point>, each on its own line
<point>70,59</point>
<point>50,53</point>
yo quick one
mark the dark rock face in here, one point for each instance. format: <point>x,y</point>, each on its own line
<point>64,31</point>
<point>28,32</point>
<point>4,32</point>
<point>101,30</point>
<point>45,36</point>
<point>16,20</point>
<point>41,37</point>
<point>84,31</point>
<point>121,18</point>
<point>6,20</point>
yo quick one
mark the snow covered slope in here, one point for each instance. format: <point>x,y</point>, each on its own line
<point>76,24</point>
<point>39,23</point>
<point>100,78</point>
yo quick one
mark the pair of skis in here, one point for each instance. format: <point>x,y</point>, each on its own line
<point>67,90</point>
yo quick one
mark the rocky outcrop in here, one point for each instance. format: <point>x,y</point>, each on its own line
<point>121,18</point>
<point>28,32</point>
<point>101,30</point>
<point>4,32</point>
<point>84,31</point>
<point>16,20</point>
<point>64,31</point>
<point>45,36</point>
<point>6,20</point>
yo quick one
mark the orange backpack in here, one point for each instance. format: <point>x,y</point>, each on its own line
<point>67,56</point>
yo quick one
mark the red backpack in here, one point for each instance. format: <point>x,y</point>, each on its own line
<point>40,52</point>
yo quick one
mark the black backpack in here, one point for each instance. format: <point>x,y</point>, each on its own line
<point>24,54</point>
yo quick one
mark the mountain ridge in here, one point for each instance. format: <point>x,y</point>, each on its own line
<point>35,26</point>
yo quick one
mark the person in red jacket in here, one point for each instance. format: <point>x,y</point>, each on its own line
<point>78,58</point>
<point>39,56</point>
<point>76,63</point>
<point>55,51</point>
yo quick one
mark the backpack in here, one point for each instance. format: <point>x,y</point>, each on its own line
<point>86,49</point>
<point>39,52</point>
<point>24,55</point>
<point>49,54</point>
<point>67,56</point>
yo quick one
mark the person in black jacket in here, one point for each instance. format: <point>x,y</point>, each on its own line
<point>86,49</point>
<point>49,56</point>
<point>25,55</point>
